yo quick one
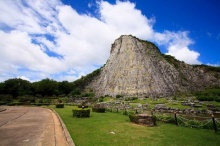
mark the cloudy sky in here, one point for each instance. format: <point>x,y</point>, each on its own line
<point>65,39</point>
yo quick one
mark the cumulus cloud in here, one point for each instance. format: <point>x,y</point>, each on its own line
<point>124,18</point>
<point>177,44</point>
<point>42,39</point>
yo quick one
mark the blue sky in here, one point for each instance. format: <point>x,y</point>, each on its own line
<point>65,39</point>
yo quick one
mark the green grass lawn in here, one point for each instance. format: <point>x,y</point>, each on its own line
<point>95,131</point>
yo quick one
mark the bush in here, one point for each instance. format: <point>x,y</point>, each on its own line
<point>98,110</point>
<point>81,113</point>
<point>59,105</point>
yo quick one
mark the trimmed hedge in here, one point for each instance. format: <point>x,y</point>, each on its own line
<point>81,113</point>
<point>59,105</point>
<point>98,110</point>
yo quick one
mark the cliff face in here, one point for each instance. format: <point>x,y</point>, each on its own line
<point>137,68</point>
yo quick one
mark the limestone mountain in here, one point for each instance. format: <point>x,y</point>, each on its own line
<point>137,68</point>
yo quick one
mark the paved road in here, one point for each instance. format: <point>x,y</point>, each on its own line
<point>30,126</point>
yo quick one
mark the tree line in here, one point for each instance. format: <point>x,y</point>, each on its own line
<point>18,88</point>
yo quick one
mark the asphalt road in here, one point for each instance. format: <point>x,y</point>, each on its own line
<point>30,126</point>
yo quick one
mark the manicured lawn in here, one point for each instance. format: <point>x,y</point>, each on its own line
<point>95,131</point>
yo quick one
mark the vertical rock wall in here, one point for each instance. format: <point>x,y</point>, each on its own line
<point>137,68</point>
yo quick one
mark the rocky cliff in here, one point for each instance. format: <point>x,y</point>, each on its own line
<point>137,68</point>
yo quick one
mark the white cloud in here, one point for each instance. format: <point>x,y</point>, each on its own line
<point>83,41</point>
<point>177,44</point>
<point>17,49</point>
<point>124,18</point>
<point>184,54</point>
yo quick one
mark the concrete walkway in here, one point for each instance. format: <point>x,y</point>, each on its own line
<point>31,126</point>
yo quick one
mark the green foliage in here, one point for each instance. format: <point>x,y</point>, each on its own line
<point>62,100</point>
<point>75,92</point>
<point>46,87</point>
<point>125,112</point>
<point>171,60</point>
<point>101,100</point>
<point>154,119</point>
<point>88,94</point>
<point>81,113</point>
<point>11,104</point>
<point>6,98</point>
<point>15,103</point>
<point>165,118</point>
<point>133,118</point>
<point>64,87</point>
<point>26,99</point>
<point>192,123</point>
<point>174,98</point>
<point>208,68</point>
<point>3,103</point>
<point>119,96</point>
<point>209,94</point>
<point>131,98</point>
<point>85,80</point>
<point>98,109</point>
<point>16,87</point>
<point>60,105</point>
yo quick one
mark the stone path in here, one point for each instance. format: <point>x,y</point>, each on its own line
<point>31,126</point>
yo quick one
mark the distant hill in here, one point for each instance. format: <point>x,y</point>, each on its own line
<point>137,68</point>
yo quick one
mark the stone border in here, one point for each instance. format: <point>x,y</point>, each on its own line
<point>65,131</point>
